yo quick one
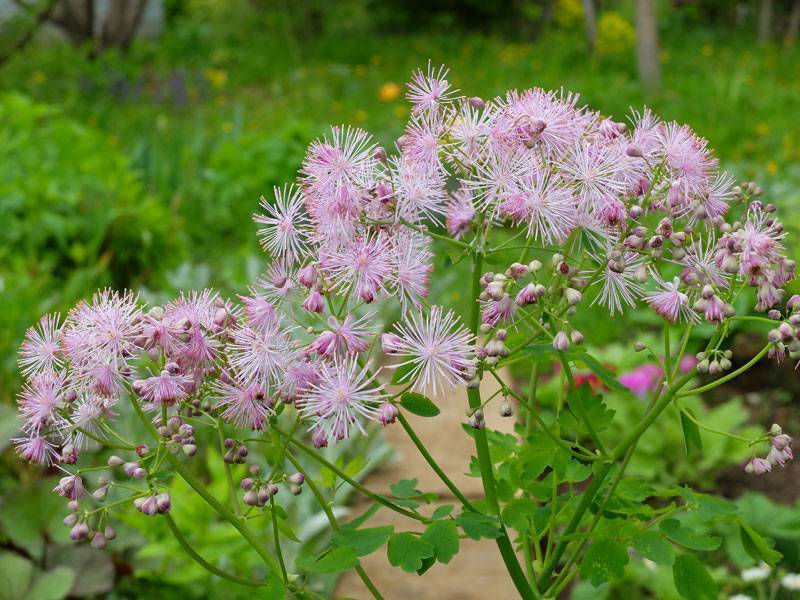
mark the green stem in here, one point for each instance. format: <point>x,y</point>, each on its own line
<point>434,465</point>
<point>484,461</point>
<point>202,561</point>
<point>332,520</point>
<point>533,385</point>
<point>277,536</point>
<point>729,376</point>
<point>228,474</point>
<point>597,481</point>
<point>203,492</point>
<point>355,484</point>
<point>727,434</point>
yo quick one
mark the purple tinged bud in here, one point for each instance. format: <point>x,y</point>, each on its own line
<point>379,154</point>
<point>295,490</point>
<point>70,520</point>
<point>307,276</point>
<point>561,342</point>
<point>247,483</point>
<point>779,442</point>
<point>526,295</point>
<point>163,502</point>
<point>573,296</point>
<point>576,337</point>
<point>250,498</point>
<point>139,473</point>
<point>142,450</point>
<point>99,541</point>
<point>296,478</point>
<point>79,532</point>
<point>263,495</point>
<point>758,466</point>
<point>100,493</point>
<point>387,413</point>
<point>273,489</point>
<point>114,461</point>
<point>775,315</point>
<point>476,102</point>
<point>109,533</point>
<point>634,151</point>
<point>319,439</point>
<point>73,505</point>
<point>314,302</point>
<point>189,449</point>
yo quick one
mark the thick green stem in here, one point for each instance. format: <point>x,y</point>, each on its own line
<point>484,461</point>
<point>597,481</point>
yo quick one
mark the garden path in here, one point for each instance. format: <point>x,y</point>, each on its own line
<point>477,571</point>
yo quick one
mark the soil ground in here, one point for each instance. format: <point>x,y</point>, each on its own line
<point>477,571</point>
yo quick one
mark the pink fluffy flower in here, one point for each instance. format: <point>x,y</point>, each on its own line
<point>362,268</point>
<point>36,449</point>
<point>164,389</point>
<point>669,301</point>
<point>285,224</point>
<point>460,213</point>
<point>260,356</point>
<point>437,350</point>
<point>619,287</point>
<point>104,329</point>
<point>428,90</point>
<point>195,313</point>
<point>346,337</point>
<point>41,399</point>
<point>545,206</point>
<point>344,395</point>
<point>418,190</point>
<point>412,265</point>
<point>41,350</point>
<point>245,406</point>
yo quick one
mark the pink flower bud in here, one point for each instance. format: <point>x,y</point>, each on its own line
<point>561,342</point>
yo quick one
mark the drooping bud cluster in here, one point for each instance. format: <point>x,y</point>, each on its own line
<point>780,453</point>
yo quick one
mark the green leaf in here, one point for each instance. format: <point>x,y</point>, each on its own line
<point>684,536</point>
<point>605,560</point>
<point>274,588</point>
<point>407,551</point>
<point>403,373</point>
<point>405,488</point>
<point>692,441</point>
<point>692,580</point>
<point>15,576</point>
<point>478,526</point>
<point>419,405</point>
<point>442,511</point>
<point>443,536</point>
<point>362,541</point>
<point>709,507</point>
<point>52,585</point>
<point>337,560</point>
<point>651,545</point>
<point>517,513</point>
<point>593,406</point>
<point>604,374</point>
<point>9,424</point>
<point>756,546</point>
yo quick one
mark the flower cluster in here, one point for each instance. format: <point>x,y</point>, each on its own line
<point>780,453</point>
<point>618,215</point>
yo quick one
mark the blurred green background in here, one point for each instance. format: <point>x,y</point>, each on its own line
<point>137,160</point>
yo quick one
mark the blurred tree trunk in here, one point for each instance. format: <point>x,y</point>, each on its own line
<point>647,45</point>
<point>122,22</point>
<point>590,15</point>
<point>793,27</point>
<point>765,21</point>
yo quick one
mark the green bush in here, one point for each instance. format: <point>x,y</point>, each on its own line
<point>74,217</point>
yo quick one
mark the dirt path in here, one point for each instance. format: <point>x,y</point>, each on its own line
<point>476,572</point>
